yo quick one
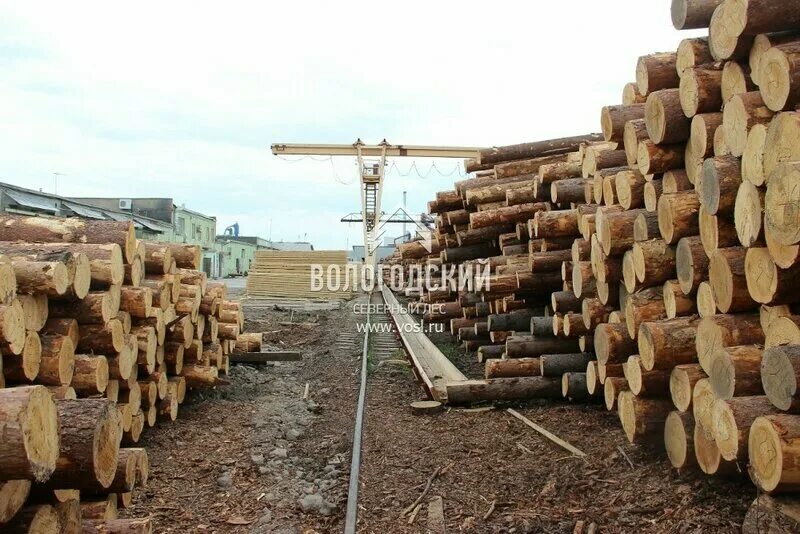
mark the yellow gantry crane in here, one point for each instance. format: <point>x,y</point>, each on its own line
<point>371,172</point>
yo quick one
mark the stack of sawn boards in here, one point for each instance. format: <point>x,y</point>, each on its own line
<point>289,274</point>
<point>657,266</point>
<point>100,335</point>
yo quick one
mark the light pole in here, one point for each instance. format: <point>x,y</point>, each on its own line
<point>55,181</point>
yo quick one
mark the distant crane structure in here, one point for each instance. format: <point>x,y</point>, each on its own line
<point>371,173</point>
<point>232,230</point>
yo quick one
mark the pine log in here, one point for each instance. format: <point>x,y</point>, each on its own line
<point>498,389</point>
<point>521,347</point>
<point>676,303</point>
<point>780,73</point>
<point>741,113</point>
<point>656,72</point>
<point>30,443</point>
<point>644,306</point>
<point>721,179</point>
<point>664,117</point>
<point>72,230</point>
<point>665,344</point>
<point>773,446</point>
<point>574,386</point>
<point>90,374</point>
<point>771,514</point>
<point>612,387</point>
<point>635,132</point>
<point>498,368</point>
<point>716,332</point>
<point>753,156</point>
<point>732,419</point>
<point>613,343</point>
<point>716,231</point>
<point>701,90</point>
<point>736,371</point>
<point>642,418</point>
<point>629,187</point>
<point>679,439</point>
<point>91,430</point>
<point>554,365</point>
<point>691,14</point>
<point>681,384</point>
<point>728,279</point>
<point>677,215</point>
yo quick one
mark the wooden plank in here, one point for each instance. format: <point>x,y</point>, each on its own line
<point>549,435</point>
<point>265,357</point>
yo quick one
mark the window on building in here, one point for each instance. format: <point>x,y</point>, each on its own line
<point>180,225</point>
<point>208,235</point>
<point>194,231</point>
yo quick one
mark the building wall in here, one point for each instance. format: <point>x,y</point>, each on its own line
<point>235,257</point>
<point>193,228</point>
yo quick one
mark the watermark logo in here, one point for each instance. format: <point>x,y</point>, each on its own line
<point>469,277</point>
<point>400,214</point>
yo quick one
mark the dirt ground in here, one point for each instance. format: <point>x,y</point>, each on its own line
<point>255,456</point>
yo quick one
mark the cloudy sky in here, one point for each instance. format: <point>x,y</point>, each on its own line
<point>182,99</point>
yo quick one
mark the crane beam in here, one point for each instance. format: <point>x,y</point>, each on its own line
<point>411,151</point>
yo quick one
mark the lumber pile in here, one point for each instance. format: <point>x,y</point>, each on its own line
<point>655,269</point>
<point>316,274</point>
<point>101,336</point>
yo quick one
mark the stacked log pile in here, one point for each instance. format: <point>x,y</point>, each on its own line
<point>655,268</point>
<point>101,336</point>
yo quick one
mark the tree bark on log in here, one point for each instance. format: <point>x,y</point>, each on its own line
<point>30,443</point>
<point>497,368</point>
<point>535,149</point>
<point>614,118</point>
<point>780,372</point>
<point>70,230</point>
<point>91,430</point>
<point>679,439</point>
<point>656,72</point>
<point>773,445</point>
<point>736,371</point>
<point>741,113</point>
<point>728,280</point>
<point>665,344</point>
<point>678,215</point>
<point>721,179</point>
<point>554,365</point>
<point>732,420</point>
<point>520,347</point>
<point>613,343</point>
<point>701,90</point>
<point>664,117</point>
<point>642,418</point>
<point>681,384</point>
<point>498,389</point>
<point>692,14</point>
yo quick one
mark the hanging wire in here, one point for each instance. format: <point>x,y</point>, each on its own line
<point>413,169</point>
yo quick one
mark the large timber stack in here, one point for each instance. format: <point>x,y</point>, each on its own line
<point>101,335</point>
<point>289,274</point>
<point>654,268</point>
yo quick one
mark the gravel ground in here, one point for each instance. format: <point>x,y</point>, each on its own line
<point>256,457</point>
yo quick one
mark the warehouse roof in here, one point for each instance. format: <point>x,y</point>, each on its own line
<point>15,199</point>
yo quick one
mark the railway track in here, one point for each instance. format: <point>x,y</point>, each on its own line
<point>378,342</point>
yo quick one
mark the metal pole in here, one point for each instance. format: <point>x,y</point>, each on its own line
<point>405,213</point>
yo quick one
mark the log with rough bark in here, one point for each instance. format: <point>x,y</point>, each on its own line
<point>681,384</point>
<point>575,387</point>
<point>766,283</point>
<point>703,399</point>
<point>691,14</point>
<point>676,303</point>
<point>773,452</point>
<point>554,365</point>
<point>741,113</point>
<point>736,371</point>
<point>496,389</point>
<point>527,347</point>
<point>716,332</point>
<point>612,387</point>
<point>653,384</point>
<point>186,256</point>
<point>657,71</point>
<point>90,433</point>
<point>727,276</point>
<point>679,439</point>
<point>642,418</point>
<point>30,443</point>
<point>614,118</point>
<point>629,187</point>
<point>665,344</point>
<point>498,368</point>
<point>780,370</point>
<point>535,149</point>
<point>70,230</point>
<point>613,343</point>
<point>635,132</point>
<point>664,117</point>
<point>90,374</point>
<point>506,215</point>
<point>701,90</point>
<point>732,419</point>
<point>720,183</point>
<point>654,262</point>
<point>678,215</point>
<point>780,73</point>
<point>644,306</point>
<point>780,204</point>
